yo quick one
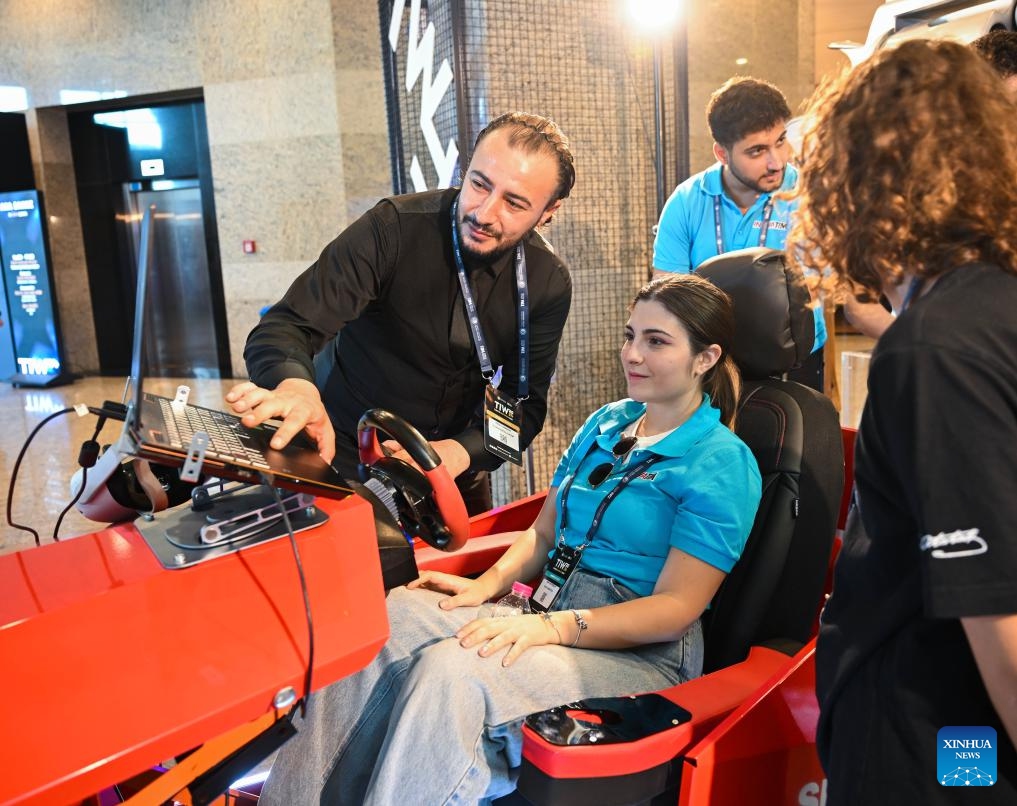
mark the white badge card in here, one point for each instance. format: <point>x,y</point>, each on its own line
<point>545,595</point>
<point>503,420</point>
<point>559,568</point>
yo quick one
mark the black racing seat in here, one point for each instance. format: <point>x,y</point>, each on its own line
<point>794,432</point>
<point>771,597</point>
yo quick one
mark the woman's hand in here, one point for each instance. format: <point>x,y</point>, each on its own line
<point>462,592</point>
<point>518,633</point>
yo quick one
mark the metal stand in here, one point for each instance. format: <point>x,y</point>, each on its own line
<point>222,518</point>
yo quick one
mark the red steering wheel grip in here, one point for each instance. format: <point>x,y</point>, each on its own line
<point>447,498</point>
<point>406,435</point>
<point>368,445</point>
<point>451,506</point>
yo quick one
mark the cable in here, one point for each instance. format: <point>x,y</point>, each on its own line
<point>66,509</point>
<point>14,475</point>
<point>87,457</point>
<point>267,481</point>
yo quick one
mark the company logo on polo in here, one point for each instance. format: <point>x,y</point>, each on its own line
<point>966,756</point>
<point>950,545</point>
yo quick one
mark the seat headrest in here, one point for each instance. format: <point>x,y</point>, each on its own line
<point>774,323</point>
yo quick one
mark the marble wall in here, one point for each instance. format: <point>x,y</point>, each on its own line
<point>294,101</point>
<point>776,40</point>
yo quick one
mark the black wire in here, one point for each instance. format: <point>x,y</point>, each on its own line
<point>84,481</point>
<point>267,481</point>
<point>14,475</point>
<point>66,509</point>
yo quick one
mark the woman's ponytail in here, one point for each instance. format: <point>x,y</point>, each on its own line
<point>723,383</point>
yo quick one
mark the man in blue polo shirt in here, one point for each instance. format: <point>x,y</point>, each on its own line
<point>733,204</point>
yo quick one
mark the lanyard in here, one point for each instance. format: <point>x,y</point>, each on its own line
<point>486,368</point>
<point>625,480</point>
<point>909,295</point>
<point>767,212</point>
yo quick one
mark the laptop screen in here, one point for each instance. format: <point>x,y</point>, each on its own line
<point>140,300</point>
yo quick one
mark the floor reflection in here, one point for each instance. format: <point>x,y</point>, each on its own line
<point>43,482</point>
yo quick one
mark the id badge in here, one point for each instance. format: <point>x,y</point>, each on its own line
<point>559,568</point>
<point>503,420</point>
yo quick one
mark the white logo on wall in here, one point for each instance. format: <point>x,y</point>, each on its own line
<point>419,59</point>
<point>950,545</point>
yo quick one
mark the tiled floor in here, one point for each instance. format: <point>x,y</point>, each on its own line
<point>42,487</point>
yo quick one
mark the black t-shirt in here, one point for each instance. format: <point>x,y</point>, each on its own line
<point>931,540</point>
<point>388,286</point>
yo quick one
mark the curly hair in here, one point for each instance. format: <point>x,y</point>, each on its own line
<point>742,106</point>
<point>535,133</point>
<point>910,167</point>
<point>999,48</point>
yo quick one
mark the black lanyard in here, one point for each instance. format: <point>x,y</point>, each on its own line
<point>767,212</point>
<point>486,368</point>
<point>625,480</point>
<point>909,295</point>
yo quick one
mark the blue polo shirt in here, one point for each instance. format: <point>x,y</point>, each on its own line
<point>687,233</point>
<point>700,497</point>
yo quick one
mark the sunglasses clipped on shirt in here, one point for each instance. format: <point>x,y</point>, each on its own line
<point>619,451</point>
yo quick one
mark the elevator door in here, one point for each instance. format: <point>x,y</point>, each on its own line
<point>180,336</point>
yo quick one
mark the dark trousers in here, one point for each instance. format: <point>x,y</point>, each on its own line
<point>476,490</point>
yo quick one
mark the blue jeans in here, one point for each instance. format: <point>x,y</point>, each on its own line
<point>430,722</point>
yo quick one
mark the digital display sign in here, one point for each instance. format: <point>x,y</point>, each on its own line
<point>28,289</point>
<point>7,365</point>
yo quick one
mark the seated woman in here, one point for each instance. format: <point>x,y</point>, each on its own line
<point>649,508</point>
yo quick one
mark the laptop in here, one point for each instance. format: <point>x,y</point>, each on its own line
<point>163,430</point>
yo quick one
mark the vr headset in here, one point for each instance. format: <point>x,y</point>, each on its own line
<point>118,490</point>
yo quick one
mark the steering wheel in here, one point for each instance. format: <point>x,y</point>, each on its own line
<point>426,502</point>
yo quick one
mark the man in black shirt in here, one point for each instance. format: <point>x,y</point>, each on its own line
<point>909,191</point>
<point>388,304</point>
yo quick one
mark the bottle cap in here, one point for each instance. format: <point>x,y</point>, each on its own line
<point>522,588</point>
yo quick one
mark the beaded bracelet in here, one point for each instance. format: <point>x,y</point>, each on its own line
<point>581,623</point>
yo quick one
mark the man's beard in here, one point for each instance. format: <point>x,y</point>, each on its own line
<point>490,257</point>
<point>754,184</point>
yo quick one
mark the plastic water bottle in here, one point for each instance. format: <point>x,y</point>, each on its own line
<point>514,603</point>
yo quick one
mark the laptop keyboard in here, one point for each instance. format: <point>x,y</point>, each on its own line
<point>229,440</point>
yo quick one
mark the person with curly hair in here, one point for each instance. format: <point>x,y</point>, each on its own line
<point>999,49</point>
<point>909,190</point>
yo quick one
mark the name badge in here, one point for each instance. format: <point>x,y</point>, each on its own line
<point>503,420</point>
<point>559,568</point>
